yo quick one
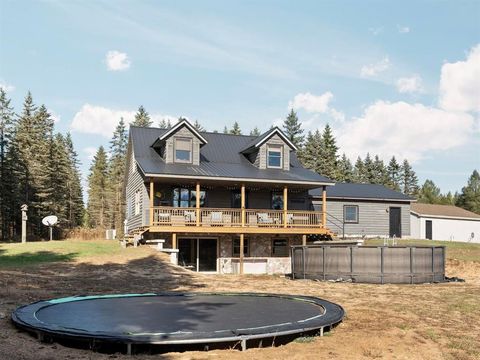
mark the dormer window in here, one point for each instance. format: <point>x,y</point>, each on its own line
<point>183,150</point>
<point>274,156</point>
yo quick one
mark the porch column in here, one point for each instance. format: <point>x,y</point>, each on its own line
<point>304,240</point>
<point>197,202</point>
<point>324,207</point>
<point>152,194</point>
<point>242,205</point>
<point>174,240</point>
<point>285,206</point>
<point>241,253</point>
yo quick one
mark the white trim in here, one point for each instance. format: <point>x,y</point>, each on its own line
<point>222,178</point>
<point>281,134</point>
<point>444,216</point>
<point>178,125</point>
<point>178,161</point>
<point>319,197</point>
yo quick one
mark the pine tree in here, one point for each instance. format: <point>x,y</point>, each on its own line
<point>198,126</point>
<point>345,170</point>
<point>394,174</point>
<point>225,130</point>
<point>293,129</point>
<point>380,171</point>
<point>235,130</point>
<point>447,199</point>
<point>6,176</point>
<point>118,151</point>
<point>310,154</point>
<point>328,156</point>
<point>409,179</point>
<point>255,132</point>
<point>429,193</point>
<point>142,118</point>
<point>368,170</point>
<point>359,171</point>
<point>163,124</point>
<point>469,198</point>
<point>98,187</point>
<point>75,208</point>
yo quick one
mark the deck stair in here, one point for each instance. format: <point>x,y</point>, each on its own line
<point>134,236</point>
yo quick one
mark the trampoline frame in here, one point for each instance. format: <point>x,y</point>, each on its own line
<point>25,318</point>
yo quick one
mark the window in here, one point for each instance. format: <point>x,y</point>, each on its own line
<point>279,247</point>
<point>187,198</point>
<point>277,200</point>
<point>236,247</point>
<point>350,214</point>
<point>136,203</point>
<point>274,156</point>
<point>183,150</point>
<point>237,199</point>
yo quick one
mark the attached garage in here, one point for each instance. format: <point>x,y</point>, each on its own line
<point>444,222</point>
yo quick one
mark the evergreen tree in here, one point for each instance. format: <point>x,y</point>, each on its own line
<point>409,179</point>
<point>6,175</point>
<point>469,198</point>
<point>345,170</point>
<point>369,170</point>
<point>225,130</point>
<point>447,199</point>
<point>255,132</point>
<point>118,151</point>
<point>198,126</point>
<point>163,124</point>
<point>142,118</point>
<point>359,171</point>
<point>235,130</point>
<point>75,206</point>
<point>293,129</point>
<point>310,154</point>
<point>98,187</point>
<point>328,155</point>
<point>380,171</point>
<point>429,193</point>
<point>394,174</point>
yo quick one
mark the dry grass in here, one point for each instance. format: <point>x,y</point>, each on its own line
<point>431,321</point>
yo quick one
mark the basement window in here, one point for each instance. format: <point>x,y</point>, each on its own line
<point>279,247</point>
<point>236,247</point>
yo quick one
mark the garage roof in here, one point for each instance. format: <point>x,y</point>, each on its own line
<point>447,211</point>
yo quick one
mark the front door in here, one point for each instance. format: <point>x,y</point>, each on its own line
<point>395,222</point>
<point>198,254</point>
<point>428,229</point>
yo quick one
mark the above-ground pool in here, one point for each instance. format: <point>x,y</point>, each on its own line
<point>178,319</point>
<point>369,264</point>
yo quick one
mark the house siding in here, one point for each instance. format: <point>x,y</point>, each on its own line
<point>182,133</point>
<point>135,182</point>
<point>373,217</point>
<point>274,140</point>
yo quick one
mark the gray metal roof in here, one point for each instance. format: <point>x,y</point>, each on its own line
<point>262,138</point>
<point>221,158</point>
<point>361,191</point>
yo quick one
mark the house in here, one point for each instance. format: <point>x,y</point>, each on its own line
<point>227,203</point>
<point>365,210</point>
<point>444,222</point>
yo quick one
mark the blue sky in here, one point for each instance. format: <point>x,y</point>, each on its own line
<point>393,78</point>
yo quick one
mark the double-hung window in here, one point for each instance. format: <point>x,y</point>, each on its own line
<point>236,247</point>
<point>274,156</point>
<point>183,150</point>
<point>279,247</point>
<point>350,214</point>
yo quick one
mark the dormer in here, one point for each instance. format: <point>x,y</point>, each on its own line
<point>180,144</point>
<point>270,150</point>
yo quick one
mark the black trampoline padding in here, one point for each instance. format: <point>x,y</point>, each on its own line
<point>176,318</point>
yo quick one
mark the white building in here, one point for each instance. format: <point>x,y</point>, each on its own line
<point>444,222</point>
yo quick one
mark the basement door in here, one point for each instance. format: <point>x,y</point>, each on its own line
<point>395,222</point>
<point>198,254</point>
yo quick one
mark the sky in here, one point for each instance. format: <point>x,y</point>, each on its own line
<point>391,78</point>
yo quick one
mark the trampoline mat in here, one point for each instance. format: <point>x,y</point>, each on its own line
<point>167,318</point>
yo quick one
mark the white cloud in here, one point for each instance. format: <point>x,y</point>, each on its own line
<point>411,84</point>
<point>460,83</point>
<point>373,70</point>
<point>117,61</point>
<point>56,118</point>
<point>6,86</point>
<point>90,152</point>
<point>311,103</point>
<point>404,130</point>
<point>99,120</point>
<point>403,29</point>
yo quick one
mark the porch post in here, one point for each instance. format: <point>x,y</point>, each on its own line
<point>241,253</point>
<point>324,207</point>
<point>304,240</point>
<point>197,202</point>
<point>174,240</point>
<point>152,194</point>
<point>285,206</point>
<point>242,205</point>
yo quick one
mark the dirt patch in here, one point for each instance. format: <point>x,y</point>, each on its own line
<point>431,321</point>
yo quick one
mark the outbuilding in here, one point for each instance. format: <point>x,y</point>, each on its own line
<point>444,222</point>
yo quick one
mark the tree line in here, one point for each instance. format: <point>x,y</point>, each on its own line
<point>38,167</point>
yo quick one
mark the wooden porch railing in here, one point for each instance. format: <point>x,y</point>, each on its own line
<point>227,217</point>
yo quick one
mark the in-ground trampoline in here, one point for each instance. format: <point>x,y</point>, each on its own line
<point>186,320</point>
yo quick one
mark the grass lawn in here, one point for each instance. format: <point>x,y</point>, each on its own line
<point>455,250</point>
